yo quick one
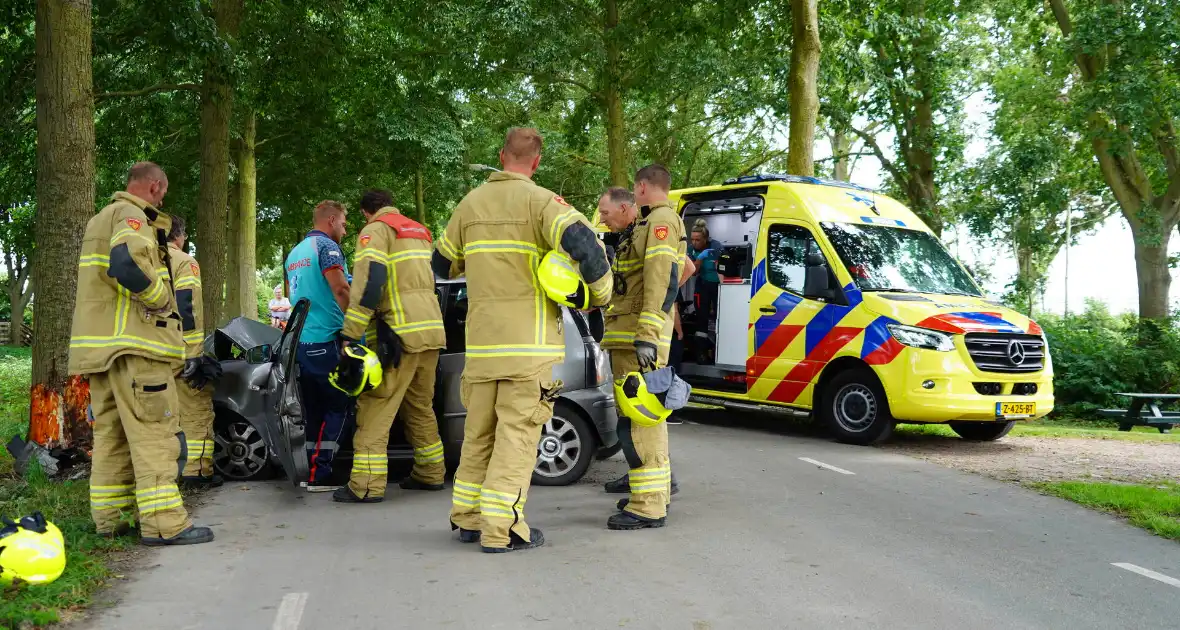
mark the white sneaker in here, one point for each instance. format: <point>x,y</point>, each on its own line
<point>318,487</point>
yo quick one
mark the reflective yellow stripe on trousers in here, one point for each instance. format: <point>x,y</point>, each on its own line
<point>500,504</point>
<point>429,454</point>
<point>650,479</point>
<point>466,495</point>
<point>371,463</point>
<point>156,498</point>
<point>112,497</point>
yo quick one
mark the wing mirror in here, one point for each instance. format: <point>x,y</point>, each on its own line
<point>817,281</point>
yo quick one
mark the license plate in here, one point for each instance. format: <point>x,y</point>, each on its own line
<point>1016,410</point>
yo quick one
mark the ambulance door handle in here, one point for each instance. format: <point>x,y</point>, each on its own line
<point>769,310</point>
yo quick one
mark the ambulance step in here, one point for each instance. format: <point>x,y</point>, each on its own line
<point>734,405</point>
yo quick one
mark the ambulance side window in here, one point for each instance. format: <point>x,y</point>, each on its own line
<point>787,247</point>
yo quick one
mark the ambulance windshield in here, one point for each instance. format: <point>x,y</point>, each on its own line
<point>882,258</point>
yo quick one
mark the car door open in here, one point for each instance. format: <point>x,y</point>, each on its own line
<point>285,404</point>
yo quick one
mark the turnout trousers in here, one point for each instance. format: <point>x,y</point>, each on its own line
<point>646,450</point>
<point>500,438</point>
<point>196,421</point>
<point>139,449</point>
<point>410,388</point>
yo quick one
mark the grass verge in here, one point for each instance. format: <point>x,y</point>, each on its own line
<point>1054,428</point>
<point>1154,507</point>
<point>66,504</point>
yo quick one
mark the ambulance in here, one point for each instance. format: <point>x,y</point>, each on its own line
<point>836,302</point>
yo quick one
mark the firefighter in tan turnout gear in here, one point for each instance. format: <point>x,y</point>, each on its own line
<point>639,334</point>
<point>195,383</point>
<point>126,338</point>
<point>393,304</point>
<point>497,236</point>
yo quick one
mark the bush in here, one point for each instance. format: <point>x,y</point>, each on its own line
<point>1096,355</point>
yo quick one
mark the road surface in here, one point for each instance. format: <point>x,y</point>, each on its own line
<point>769,531</point>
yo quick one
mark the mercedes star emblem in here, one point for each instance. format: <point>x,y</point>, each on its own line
<point>1016,352</point>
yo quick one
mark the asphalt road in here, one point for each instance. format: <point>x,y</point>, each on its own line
<point>758,538</point>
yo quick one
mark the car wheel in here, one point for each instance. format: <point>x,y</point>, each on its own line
<point>239,452</point>
<point>565,449</point>
<point>855,409</point>
<point>982,431</point>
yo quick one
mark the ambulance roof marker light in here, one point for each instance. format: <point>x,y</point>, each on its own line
<point>798,179</point>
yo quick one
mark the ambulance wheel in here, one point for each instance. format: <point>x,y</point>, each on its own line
<point>239,452</point>
<point>855,409</point>
<point>566,447</point>
<point>982,431</point>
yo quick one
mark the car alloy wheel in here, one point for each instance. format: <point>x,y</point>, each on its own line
<point>239,452</point>
<point>558,449</point>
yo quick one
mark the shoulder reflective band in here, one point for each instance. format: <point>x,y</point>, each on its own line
<point>184,304</point>
<point>124,270</point>
<point>371,298</point>
<point>579,242</point>
<point>440,264</point>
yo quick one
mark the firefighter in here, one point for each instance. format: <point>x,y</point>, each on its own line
<point>497,235</point>
<point>126,338</point>
<point>393,288</point>
<point>194,388</point>
<point>639,325</point>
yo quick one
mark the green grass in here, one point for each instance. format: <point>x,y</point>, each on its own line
<point>1154,507</point>
<point>1055,428</point>
<point>66,504</point>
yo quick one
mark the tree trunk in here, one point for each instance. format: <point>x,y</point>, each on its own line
<point>803,92</point>
<point>212,214</point>
<point>841,161</point>
<point>420,196</point>
<point>233,289</point>
<point>612,101</point>
<point>1155,279</point>
<point>247,241</point>
<point>65,202</point>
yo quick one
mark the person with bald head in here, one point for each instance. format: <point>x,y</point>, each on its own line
<point>497,235</point>
<point>127,340</point>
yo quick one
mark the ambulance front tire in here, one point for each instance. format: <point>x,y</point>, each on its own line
<point>855,409</point>
<point>982,431</point>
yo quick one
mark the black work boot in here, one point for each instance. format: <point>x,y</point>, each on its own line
<point>410,483</point>
<point>213,481</point>
<point>622,504</point>
<point>466,535</point>
<point>516,543</point>
<point>344,495</point>
<point>192,536</point>
<point>626,521</point>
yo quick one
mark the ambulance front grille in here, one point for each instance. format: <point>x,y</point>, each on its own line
<point>1006,353</point>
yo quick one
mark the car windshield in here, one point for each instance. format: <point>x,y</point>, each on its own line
<point>882,258</point>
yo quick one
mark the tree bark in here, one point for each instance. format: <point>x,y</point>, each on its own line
<point>212,213</point>
<point>247,241</point>
<point>1153,275</point>
<point>233,289</point>
<point>612,101</point>
<point>841,161</point>
<point>420,195</point>
<point>804,98</point>
<point>65,202</point>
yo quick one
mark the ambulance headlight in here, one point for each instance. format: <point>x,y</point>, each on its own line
<point>924,338</point>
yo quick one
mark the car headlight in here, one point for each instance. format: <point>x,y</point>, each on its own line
<point>924,338</point>
<point>601,365</point>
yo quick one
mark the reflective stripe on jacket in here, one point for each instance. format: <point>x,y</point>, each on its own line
<point>122,273</point>
<point>392,278</point>
<point>648,260</point>
<point>186,277</point>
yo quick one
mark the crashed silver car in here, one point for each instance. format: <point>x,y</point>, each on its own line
<point>259,425</point>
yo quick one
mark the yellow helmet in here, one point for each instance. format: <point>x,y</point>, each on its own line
<point>562,282</point>
<point>649,398</point>
<point>359,371</point>
<point>31,551</point>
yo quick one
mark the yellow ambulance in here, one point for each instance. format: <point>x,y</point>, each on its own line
<point>822,298</point>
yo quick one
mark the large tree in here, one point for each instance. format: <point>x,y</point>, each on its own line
<point>65,202</point>
<point>805,54</point>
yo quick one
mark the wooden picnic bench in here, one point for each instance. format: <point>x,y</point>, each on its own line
<point>1152,416</point>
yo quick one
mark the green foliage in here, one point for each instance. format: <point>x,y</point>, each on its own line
<point>1154,507</point>
<point>1096,355</point>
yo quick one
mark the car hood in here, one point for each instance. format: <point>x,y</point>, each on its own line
<point>246,334</point>
<point>956,314</point>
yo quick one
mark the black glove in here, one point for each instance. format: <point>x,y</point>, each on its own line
<point>646,354</point>
<point>193,375</point>
<point>211,369</point>
<point>610,255</point>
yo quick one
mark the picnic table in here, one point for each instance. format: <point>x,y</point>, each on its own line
<point>1152,416</point>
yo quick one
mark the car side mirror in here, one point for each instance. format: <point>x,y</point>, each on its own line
<point>259,354</point>
<point>816,282</point>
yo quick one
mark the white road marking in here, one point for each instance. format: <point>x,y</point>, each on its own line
<point>1159,577</point>
<point>290,611</point>
<point>828,466</point>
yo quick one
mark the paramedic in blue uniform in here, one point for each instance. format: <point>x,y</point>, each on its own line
<point>316,270</point>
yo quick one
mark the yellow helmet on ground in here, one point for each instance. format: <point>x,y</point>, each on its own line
<point>31,551</point>
<point>562,282</point>
<point>649,398</point>
<point>359,371</point>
